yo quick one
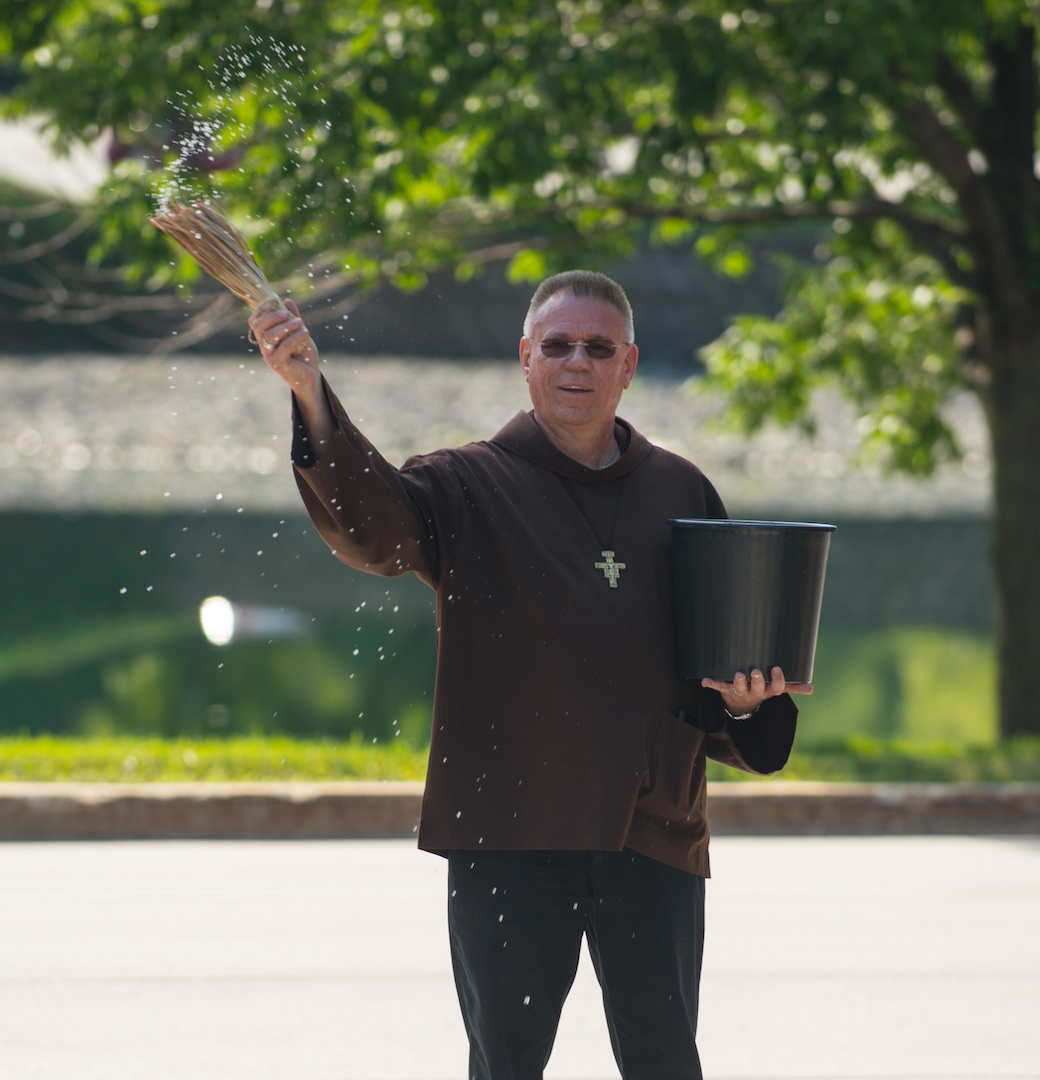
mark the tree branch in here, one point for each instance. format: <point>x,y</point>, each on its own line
<point>961,95</point>
<point>1014,119</point>
<point>934,237</point>
<point>59,294</point>
<point>931,236</point>
<point>45,247</point>
<point>207,323</point>
<point>30,213</point>
<point>131,342</point>
<point>347,306</point>
<point>940,147</point>
<point>988,230</point>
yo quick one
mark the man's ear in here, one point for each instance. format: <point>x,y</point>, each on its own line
<point>525,356</point>
<point>630,364</point>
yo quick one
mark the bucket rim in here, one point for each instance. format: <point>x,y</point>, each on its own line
<point>729,523</point>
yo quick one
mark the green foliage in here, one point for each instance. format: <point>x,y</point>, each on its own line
<point>357,141</point>
<point>109,642</point>
<point>864,759</point>
<point>915,683</point>
<point>44,655</point>
<point>157,677</point>
<point>859,758</point>
<point>380,140</point>
<point>148,760</point>
<point>527,265</point>
<point>875,320</point>
<point>723,249</point>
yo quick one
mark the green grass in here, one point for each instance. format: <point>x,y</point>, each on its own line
<point>98,640</point>
<point>133,760</point>
<point>901,760</point>
<point>128,759</point>
<point>920,683</point>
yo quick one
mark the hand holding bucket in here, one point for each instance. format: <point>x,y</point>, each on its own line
<point>747,600</point>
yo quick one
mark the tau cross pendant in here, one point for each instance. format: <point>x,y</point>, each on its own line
<point>611,570</point>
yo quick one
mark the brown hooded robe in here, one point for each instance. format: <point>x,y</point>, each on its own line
<point>558,719</point>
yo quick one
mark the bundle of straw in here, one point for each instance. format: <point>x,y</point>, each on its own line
<point>218,247</point>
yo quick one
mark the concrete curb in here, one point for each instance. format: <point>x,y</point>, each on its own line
<point>370,809</point>
<point>801,808</point>
<point>203,811</point>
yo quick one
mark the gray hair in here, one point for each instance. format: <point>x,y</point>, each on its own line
<point>583,283</point>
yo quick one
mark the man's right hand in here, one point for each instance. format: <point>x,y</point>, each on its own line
<point>287,348</point>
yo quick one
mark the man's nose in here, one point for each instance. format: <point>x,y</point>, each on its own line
<point>577,357</point>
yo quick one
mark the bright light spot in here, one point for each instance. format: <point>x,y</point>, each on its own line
<point>76,457</point>
<point>977,161</point>
<point>28,442</point>
<point>621,155</point>
<point>549,184</point>
<point>217,617</point>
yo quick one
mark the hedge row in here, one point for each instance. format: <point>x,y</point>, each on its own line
<point>140,760</point>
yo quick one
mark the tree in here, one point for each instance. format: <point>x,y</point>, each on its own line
<point>393,138</point>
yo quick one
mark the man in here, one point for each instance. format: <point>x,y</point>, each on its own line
<point>566,782</point>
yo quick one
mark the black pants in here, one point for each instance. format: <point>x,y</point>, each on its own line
<point>516,919</point>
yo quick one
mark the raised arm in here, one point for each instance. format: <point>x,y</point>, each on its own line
<point>288,349</point>
<point>373,516</point>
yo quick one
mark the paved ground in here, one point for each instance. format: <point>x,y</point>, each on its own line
<point>827,958</point>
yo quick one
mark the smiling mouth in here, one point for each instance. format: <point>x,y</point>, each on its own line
<point>575,389</point>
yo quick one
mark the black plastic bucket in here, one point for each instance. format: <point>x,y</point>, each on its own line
<point>747,595</point>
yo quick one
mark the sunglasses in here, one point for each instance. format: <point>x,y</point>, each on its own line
<point>559,348</point>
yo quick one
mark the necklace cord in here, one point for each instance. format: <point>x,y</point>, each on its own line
<point>617,509</point>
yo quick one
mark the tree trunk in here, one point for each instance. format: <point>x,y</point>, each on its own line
<point>1014,411</point>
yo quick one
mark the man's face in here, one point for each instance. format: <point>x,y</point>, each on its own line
<point>576,389</point>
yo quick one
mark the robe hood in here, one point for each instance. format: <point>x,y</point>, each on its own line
<point>522,436</point>
<point>559,720</point>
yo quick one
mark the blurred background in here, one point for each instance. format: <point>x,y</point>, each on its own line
<point>144,448</point>
<point>132,487</point>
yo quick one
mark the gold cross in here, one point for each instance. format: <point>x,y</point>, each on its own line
<point>611,570</point>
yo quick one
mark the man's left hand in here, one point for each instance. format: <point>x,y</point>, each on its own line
<point>744,696</point>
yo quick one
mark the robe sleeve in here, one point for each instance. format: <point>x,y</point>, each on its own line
<point>762,743</point>
<point>374,517</point>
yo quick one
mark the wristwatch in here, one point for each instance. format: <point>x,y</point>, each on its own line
<point>742,716</point>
